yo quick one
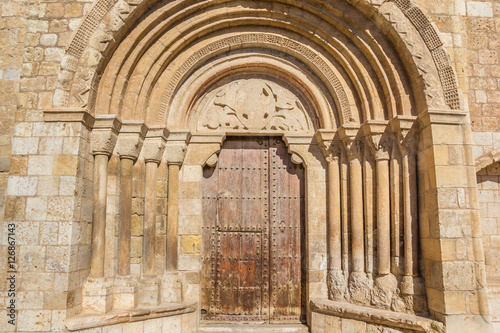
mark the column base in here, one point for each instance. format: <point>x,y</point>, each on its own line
<point>384,291</point>
<point>359,288</point>
<point>125,293</point>
<point>171,288</point>
<point>149,291</point>
<point>337,285</point>
<point>97,297</point>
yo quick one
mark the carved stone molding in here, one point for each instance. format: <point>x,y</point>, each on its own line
<point>105,134</point>
<point>69,115</point>
<point>154,144</point>
<point>130,139</point>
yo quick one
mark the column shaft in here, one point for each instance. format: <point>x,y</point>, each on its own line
<point>173,216</point>
<point>99,218</point>
<point>334,219</point>
<point>410,215</point>
<point>357,232</point>
<point>150,218</point>
<point>383,217</point>
<point>345,209</point>
<point>126,166</point>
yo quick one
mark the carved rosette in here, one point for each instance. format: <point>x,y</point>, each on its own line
<point>154,145</point>
<point>131,139</point>
<point>105,134</point>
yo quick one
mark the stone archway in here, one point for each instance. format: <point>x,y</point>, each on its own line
<point>376,96</point>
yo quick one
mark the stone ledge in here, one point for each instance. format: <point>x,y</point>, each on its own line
<point>376,316</point>
<point>113,317</point>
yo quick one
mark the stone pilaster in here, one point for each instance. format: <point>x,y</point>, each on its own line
<point>175,152</point>
<point>455,282</point>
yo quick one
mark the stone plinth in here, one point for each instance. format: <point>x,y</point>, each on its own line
<point>97,296</point>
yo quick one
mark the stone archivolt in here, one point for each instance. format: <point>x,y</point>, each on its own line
<point>356,64</point>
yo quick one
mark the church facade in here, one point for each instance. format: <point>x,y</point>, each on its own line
<point>250,166</point>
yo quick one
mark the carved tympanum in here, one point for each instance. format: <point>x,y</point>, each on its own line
<point>254,105</point>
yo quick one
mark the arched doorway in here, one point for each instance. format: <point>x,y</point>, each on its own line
<point>253,232</point>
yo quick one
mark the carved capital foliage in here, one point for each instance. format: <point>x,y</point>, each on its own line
<point>380,145</point>
<point>131,139</point>
<point>175,149</point>
<point>378,138</point>
<point>154,144</point>
<point>349,134</point>
<point>330,144</point>
<point>105,134</point>
<point>405,130</point>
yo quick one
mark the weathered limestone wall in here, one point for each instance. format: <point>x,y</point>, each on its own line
<point>488,181</point>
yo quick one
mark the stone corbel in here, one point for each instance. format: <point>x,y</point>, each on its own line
<point>176,147</point>
<point>154,144</point>
<point>378,138</point>
<point>131,139</point>
<point>298,147</point>
<point>105,134</point>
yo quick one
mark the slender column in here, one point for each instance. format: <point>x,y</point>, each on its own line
<point>344,189</point>
<point>126,166</point>
<point>154,146</point>
<point>383,216</point>
<point>99,216</point>
<point>150,218</point>
<point>368,205</point>
<point>357,232</point>
<point>175,152</point>
<point>395,216</point>
<point>336,281</point>
<point>410,209</point>
<point>128,148</point>
<point>406,137</point>
<point>379,144</point>
<point>104,136</point>
<point>334,221</point>
<point>354,148</point>
<point>173,216</point>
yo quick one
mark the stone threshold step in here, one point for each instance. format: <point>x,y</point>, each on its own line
<point>253,328</point>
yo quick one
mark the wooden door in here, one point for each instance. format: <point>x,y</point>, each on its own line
<point>253,210</point>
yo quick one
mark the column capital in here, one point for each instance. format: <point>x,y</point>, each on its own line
<point>349,134</point>
<point>154,144</point>
<point>405,129</point>
<point>130,139</point>
<point>105,134</point>
<point>330,144</point>
<point>176,146</point>
<point>379,139</point>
